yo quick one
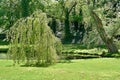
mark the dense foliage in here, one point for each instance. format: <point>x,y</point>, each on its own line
<point>32,40</point>
<point>87,22</point>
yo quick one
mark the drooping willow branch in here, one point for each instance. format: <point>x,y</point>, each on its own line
<point>33,41</point>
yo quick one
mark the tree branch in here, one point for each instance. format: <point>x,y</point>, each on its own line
<point>72,7</point>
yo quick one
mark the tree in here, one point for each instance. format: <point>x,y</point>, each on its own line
<point>67,10</point>
<point>25,8</point>
<point>108,41</point>
<point>32,40</point>
<point>11,11</point>
<point>104,36</point>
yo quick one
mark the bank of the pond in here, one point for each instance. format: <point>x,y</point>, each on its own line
<point>72,51</point>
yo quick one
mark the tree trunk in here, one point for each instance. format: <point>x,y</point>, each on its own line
<point>111,46</point>
<point>67,25</point>
<point>108,41</point>
<point>25,8</point>
<point>54,24</point>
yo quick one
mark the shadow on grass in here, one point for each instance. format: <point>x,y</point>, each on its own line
<point>32,65</point>
<point>9,66</point>
<point>37,65</point>
<point>46,65</point>
<point>65,61</point>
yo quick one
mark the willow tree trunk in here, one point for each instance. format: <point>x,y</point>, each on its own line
<point>108,41</point>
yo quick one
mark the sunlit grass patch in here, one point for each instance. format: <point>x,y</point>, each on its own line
<point>90,69</point>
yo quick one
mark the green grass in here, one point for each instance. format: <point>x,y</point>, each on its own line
<point>84,69</point>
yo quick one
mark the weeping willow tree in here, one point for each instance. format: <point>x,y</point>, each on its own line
<point>104,36</point>
<point>32,41</point>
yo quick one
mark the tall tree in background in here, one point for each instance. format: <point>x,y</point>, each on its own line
<point>9,13</point>
<point>104,36</point>
<point>25,7</point>
<point>108,41</point>
<point>67,10</point>
<point>54,25</point>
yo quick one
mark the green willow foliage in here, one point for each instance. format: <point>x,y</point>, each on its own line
<point>32,41</point>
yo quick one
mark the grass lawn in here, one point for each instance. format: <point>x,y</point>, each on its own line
<point>83,69</point>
